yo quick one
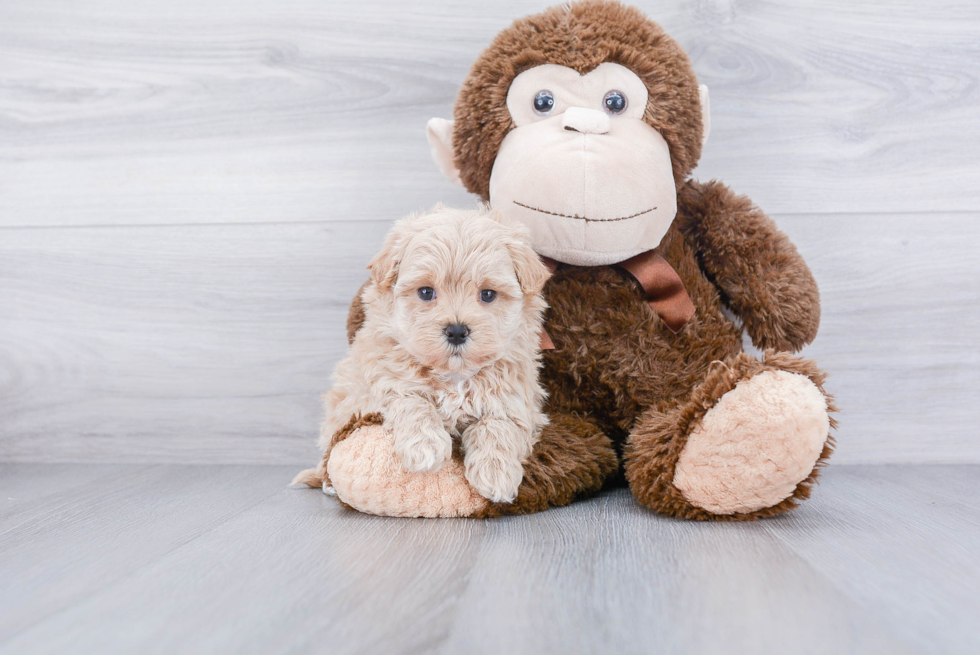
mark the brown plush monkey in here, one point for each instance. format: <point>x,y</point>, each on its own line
<point>584,123</point>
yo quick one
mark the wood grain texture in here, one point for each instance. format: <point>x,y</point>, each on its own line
<point>62,548</point>
<point>900,333</point>
<point>188,112</point>
<point>881,560</point>
<point>186,343</point>
<point>924,576</point>
<point>24,485</point>
<point>213,343</point>
<point>615,579</point>
<point>189,192</point>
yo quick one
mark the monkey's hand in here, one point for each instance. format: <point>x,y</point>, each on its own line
<point>759,271</point>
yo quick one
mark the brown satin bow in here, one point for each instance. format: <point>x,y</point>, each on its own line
<point>662,288</point>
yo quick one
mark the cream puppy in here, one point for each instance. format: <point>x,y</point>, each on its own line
<point>449,348</point>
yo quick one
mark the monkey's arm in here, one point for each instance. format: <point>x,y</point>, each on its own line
<point>758,270</point>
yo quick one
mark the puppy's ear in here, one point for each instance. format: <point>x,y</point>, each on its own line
<point>531,271</point>
<point>384,265</point>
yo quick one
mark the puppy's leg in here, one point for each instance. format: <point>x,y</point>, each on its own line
<point>421,441</point>
<point>495,451</point>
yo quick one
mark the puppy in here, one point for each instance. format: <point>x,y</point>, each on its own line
<point>449,348</point>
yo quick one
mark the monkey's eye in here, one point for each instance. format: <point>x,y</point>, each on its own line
<point>544,102</point>
<point>427,293</point>
<point>614,102</point>
<point>488,296</point>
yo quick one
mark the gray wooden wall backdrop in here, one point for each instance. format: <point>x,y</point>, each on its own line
<point>190,189</point>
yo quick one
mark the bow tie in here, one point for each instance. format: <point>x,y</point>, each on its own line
<point>662,289</point>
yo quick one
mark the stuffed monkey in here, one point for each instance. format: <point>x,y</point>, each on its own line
<point>584,124</point>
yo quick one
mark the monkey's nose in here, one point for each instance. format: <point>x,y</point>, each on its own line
<point>456,333</point>
<point>586,121</point>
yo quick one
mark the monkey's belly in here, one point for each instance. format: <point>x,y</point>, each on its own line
<point>613,355</point>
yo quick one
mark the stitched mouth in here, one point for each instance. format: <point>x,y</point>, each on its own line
<point>585,218</point>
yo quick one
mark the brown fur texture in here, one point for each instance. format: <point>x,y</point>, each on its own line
<point>572,459</point>
<point>580,36</point>
<point>779,311</point>
<point>621,385</point>
<point>658,438</point>
<point>621,382</point>
<point>355,315</point>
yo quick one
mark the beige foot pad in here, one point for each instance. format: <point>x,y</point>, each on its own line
<point>367,475</point>
<point>755,445</point>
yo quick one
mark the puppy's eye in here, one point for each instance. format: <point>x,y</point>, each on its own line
<point>427,293</point>
<point>544,101</point>
<point>614,102</point>
<point>488,296</point>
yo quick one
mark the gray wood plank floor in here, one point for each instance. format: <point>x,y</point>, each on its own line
<point>206,559</point>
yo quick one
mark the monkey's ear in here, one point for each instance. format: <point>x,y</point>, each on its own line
<point>439,132</point>
<point>705,113</point>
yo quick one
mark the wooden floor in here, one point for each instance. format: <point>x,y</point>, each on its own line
<point>218,559</point>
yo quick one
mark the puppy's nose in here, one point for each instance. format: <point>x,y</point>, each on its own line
<point>456,333</point>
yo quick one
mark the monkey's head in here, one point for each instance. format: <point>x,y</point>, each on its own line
<point>579,123</point>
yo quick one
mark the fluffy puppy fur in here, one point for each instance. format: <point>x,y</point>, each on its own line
<point>461,363</point>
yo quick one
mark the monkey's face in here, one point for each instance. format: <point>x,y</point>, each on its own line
<point>578,123</point>
<point>581,169</point>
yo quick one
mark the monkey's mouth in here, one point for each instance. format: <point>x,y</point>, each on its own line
<point>585,218</point>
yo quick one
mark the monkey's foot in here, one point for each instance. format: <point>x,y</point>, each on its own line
<point>368,476</point>
<point>755,445</point>
<point>747,444</point>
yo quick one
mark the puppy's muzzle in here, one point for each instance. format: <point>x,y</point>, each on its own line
<point>456,333</point>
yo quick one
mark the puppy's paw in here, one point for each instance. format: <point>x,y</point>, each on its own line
<point>423,448</point>
<point>495,476</point>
